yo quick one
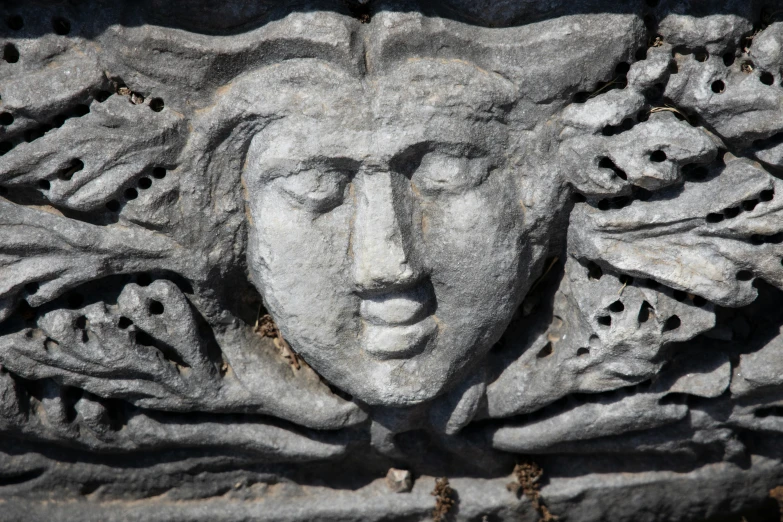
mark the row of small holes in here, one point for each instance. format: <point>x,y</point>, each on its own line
<point>33,134</point>
<point>131,193</point>
<point>732,212</point>
<point>719,86</point>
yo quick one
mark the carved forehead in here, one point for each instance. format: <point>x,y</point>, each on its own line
<point>314,88</point>
<point>327,111</point>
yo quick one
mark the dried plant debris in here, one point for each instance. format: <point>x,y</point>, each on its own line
<point>777,494</point>
<point>266,327</point>
<point>528,475</point>
<point>444,499</point>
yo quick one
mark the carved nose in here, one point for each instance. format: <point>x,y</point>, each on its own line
<point>381,235</point>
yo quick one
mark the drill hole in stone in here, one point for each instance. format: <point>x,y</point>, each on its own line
<point>156,104</point>
<point>744,275</point>
<point>699,301</point>
<point>767,195</point>
<point>130,194</point>
<point>749,204</point>
<point>731,212</point>
<point>672,323</point>
<point>124,323</point>
<point>607,163</point>
<point>767,78</point>
<point>627,124</point>
<point>775,239</point>
<point>61,26</point>
<point>644,312</point>
<point>14,22</point>
<point>641,54</point>
<point>728,59</point>
<point>604,320</point>
<point>603,204</point>
<point>546,351</point>
<point>616,307</point>
<point>714,218</point>
<point>581,352</point>
<point>6,118</point>
<point>679,295</point>
<point>145,183</point>
<point>581,97</point>
<point>81,322</point>
<point>594,271</point>
<point>658,156</point>
<point>113,205</point>
<point>10,53</point>
<point>156,307</point>
<point>67,173</point>
<point>158,173</point>
<point>718,86</point>
<point>701,56</point>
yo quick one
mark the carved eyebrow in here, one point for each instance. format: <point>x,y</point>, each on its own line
<point>407,160</point>
<point>284,167</point>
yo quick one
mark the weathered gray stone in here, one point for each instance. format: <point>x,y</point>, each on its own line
<point>296,260</point>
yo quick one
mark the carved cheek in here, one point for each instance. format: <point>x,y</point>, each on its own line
<point>300,259</point>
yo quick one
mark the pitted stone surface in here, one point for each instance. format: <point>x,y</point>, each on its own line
<point>298,260</point>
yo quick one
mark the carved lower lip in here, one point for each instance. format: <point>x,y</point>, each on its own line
<point>398,342</point>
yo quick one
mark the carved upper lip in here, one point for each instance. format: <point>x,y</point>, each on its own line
<point>397,307</point>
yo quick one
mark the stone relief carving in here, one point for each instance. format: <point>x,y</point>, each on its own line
<point>239,238</point>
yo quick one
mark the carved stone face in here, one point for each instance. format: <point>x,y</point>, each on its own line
<point>387,234</point>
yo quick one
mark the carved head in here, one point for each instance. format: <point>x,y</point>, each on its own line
<point>388,234</point>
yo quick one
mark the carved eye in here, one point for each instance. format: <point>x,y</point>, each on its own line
<point>316,190</point>
<point>439,172</point>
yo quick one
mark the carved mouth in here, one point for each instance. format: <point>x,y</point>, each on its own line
<point>396,308</point>
<point>399,323</point>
